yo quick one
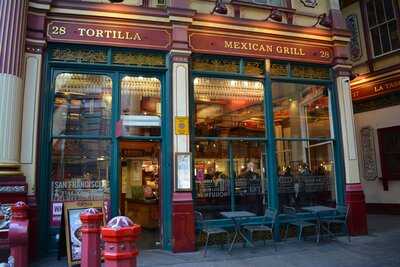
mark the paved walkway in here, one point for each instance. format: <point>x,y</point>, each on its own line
<point>378,249</point>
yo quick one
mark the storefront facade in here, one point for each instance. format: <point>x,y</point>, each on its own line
<point>375,92</point>
<point>121,95</point>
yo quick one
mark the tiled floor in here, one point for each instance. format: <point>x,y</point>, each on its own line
<point>379,248</point>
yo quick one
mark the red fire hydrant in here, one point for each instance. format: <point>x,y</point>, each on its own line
<point>18,234</point>
<point>120,236</point>
<point>91,222</point>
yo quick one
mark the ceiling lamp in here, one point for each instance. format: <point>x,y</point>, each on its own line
<point>324,20</point>
<point>220,8</point>
<point>116,1</point>
<point>275,15</point>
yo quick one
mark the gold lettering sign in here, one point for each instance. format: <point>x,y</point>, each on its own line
<point>96,33</point>
<point>257,47</point>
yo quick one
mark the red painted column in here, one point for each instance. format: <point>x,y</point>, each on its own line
<point>18,234</point>
<point>357,220</point>
<point>91,254</point>
<point>120,236</point>
<point>183,224</point>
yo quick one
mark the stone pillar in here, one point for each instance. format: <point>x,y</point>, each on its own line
<point>183,225</point>
<point>34,46</point>
<point>12,38</point>
<point>354,194</point>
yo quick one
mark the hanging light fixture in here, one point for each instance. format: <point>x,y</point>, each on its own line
<point>275,15</point>
<point>116,1</point>
<point>220,8</point>
<point>324,20</point>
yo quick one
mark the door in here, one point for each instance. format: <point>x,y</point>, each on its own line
<point>140,188</point>
<point>389,148</point>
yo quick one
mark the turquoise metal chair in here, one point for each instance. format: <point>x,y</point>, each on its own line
<point>300,223</point>
<point>209,231</point>
<point>340,217</point>
<point>267,225</point>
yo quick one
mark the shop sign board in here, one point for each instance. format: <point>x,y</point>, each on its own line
<point>260,48</point>
<point>375,89</point>
<point>73,226</point>
<point>103,34</point>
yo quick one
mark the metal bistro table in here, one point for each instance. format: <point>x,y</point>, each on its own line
<point>238,217</point>
<point>318,210</point>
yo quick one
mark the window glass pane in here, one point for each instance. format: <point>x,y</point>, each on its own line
<point>249,168</point>
<point>306,173</point>
<point>141,106</point>
<point>371,13</point>
<point>385,38</point>
<point>394,35</point>
<point>227,107</point>
<point>80,170</point>
<point>212,180</point>
<point>380,13</point>
<point>82,104</point>
<point>376,41</point>
<point>389,9</point>
<point>301,110</point>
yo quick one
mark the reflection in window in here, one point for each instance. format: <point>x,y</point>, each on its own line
<point>228,107</point>
<point>217,177</point>
<point>82,104</point>
<point>80,170</point>
<point>301,111</point>
<point>306,173</point>
<point>140,106</point>
<point>249,169</point>
<point>212,182</point>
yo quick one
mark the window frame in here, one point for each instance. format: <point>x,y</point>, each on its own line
<point>272,191</point>
<point>396,18</point>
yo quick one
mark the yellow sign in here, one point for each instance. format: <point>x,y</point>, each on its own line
<point>181,125</point>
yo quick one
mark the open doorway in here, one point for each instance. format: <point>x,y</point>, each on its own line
<point>140,194</point>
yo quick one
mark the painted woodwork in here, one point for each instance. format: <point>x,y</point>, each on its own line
<point>376,88</point>
<point>357,219</point>
<point>104,34</point>
<point>260,48</point>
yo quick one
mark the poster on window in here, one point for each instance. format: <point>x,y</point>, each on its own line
<point>73,225</point>
<point>183,176</point>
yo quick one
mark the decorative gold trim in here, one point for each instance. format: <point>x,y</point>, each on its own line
<point>79,55</point>
<point>8,173</point>
<point>138,59</point>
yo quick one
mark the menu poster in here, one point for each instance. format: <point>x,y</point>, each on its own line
<point>183,172</point>
<point>73,225</point>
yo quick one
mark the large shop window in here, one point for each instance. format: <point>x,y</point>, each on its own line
<point>383,26</point>
<point>81,139</point>
<point>141,106</point>
<point>229,171</point>
<point>304,148</point>
<point>82,104</point>
<point>229,108</point>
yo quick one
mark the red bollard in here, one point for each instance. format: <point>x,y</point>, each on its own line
<point>120,236</point>
<point>18,234</point>
<point>90,253</point>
